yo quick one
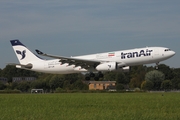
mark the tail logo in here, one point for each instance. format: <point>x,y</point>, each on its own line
<point>21,53</point>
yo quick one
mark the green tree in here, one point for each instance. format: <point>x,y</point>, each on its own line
<point>14,85</point>
<point>2,86</point>
<point>134,82</point>
<point>147,85</point>
<point>168,72</point>
<point>156,77</point>
<point>25,73</point>
<point>39,84</point>
<point>178,86</point>
<point>119,87</point>
<point>110,76</point>
<point>176,80</point>
<point>121,78</point>
<point>23,86</point>
<point>79,85</point>
<point>56,81</point>
<point>47,79</point>
<point>58,90</point>
<point>1,72</point>
<point>166,85</point>
<point>73,77</point>
<point>9,72</point>
<point>67,85</point>
<point>137,76</point>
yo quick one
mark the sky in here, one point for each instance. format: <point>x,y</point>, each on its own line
<point>79,27</point>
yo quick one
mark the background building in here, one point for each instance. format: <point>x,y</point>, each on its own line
<point>3,80</point>
<point>19,79</point>
<point>101,85</point>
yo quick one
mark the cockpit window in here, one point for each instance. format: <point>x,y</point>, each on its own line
<point>167,50</point>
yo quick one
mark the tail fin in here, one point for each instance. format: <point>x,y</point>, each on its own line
<point>24,55</point>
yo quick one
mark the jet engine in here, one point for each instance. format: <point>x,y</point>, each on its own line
<point>108,66</point>
<point>112,66</point>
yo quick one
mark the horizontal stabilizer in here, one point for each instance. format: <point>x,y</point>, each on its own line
<point>28,66</point>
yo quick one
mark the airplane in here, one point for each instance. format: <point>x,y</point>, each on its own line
<point>94,64</point>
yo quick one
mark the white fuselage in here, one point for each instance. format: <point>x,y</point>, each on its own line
<point>130,57</point>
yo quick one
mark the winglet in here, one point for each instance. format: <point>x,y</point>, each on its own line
<point>39,52</point>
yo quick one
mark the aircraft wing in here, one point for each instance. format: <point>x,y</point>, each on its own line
<point>73,61</point>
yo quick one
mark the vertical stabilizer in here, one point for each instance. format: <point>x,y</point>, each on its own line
<point>24,55</point>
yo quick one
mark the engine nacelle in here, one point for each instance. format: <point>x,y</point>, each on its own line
<point>108,66</point>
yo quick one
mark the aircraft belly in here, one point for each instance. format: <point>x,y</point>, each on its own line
<point>54,68</point>
<point>137,61</point>
<point>63,69</point>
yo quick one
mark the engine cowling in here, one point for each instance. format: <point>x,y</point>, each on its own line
<point>108,66</point>
<point>112,66</point>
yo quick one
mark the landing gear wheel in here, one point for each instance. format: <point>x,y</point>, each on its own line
<point>157,65</point>
<point>96,76</point>
<point>91,74</point>
<point>100,75</point>
<point>87,78</point>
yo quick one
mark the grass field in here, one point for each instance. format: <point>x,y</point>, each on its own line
<point>90,106</point>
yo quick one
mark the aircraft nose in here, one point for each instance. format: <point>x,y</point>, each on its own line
<point>173,53</point>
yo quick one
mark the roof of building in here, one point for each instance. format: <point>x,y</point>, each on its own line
<point>100,82</point>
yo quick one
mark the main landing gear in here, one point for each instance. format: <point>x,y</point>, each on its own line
<point>157,65</point>
<point>96,76</point>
